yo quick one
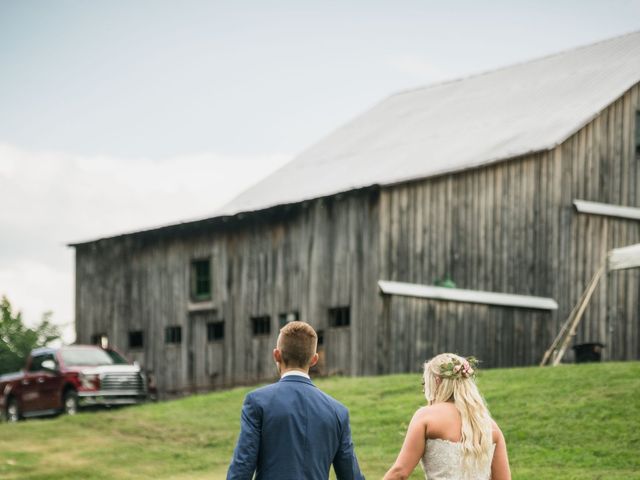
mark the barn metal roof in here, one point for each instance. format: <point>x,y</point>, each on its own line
<point>457,125</point>
<point>624,257</point>
<point>466,296</point>
<point>607,209</point>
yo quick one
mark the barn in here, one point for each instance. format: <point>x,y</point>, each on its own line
<point>465,216</point>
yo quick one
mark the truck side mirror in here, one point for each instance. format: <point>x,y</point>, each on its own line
<point>50,365</point>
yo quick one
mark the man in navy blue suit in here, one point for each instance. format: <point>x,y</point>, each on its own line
<point>291,430</point>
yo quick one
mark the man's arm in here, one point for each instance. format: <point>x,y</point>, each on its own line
<point>345,462</point>
<point>245,456</point>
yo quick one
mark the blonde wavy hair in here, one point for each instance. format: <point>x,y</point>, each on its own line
<point>450,378</point>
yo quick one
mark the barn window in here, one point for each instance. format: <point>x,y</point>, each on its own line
<point>100,339</point>
<point>340,316</point>
<point>136,339</point>
<point>215,331</point>
<point>638,133</point>
<point>261,325</point>
<point>173,334</point>
<point>285,318</point>
<point>201,279</point>
<point>320,334</point>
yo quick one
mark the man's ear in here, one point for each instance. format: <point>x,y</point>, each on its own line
<point>277,355</point>
<point>314,360</point>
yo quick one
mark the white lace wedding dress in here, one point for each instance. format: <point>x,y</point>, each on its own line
<point>442,460</point>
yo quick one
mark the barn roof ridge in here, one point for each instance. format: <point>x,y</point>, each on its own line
<point>489,71</point>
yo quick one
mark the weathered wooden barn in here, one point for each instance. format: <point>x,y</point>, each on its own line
<point>466,216</point>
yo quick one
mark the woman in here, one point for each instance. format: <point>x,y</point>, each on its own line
<point>454,436</point>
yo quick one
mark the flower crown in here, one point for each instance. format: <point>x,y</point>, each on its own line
<point>458,369</point>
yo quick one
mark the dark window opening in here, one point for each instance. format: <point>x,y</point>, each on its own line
<point>215,331</point>
<point>261,325</point>
<point>136,339</point>
<point>173,334</point>
<point>285,318</point>
<point>201,279</point>
<point>340,317</point>
<point>320,334</point>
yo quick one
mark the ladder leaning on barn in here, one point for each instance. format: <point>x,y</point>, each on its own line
<point>616,259</point>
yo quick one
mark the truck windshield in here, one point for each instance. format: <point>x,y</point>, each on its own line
<point>85,357</point>
<point>117,358</point>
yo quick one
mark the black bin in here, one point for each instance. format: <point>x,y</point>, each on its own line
<point>588,352</point>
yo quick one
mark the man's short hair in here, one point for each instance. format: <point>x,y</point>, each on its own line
<point>297,344</point>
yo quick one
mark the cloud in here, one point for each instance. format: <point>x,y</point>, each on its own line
<point>48,199</point>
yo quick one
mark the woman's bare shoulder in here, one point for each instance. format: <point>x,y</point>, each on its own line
<point>422,413</point>
<point>438,413</point>
<point>441,408</point>
<point>428,413</point>
<point>436,409</point>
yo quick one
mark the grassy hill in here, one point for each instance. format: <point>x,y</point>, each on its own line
<point>571,422</point>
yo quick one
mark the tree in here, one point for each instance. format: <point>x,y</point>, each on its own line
<point>17,340</point>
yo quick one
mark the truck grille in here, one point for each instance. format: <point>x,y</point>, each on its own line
<point>122,381</point>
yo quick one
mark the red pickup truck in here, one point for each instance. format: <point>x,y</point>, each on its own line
<point>63,379</point>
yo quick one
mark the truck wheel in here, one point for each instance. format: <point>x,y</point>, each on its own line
<point>70,402</point>
<point>13,411</point>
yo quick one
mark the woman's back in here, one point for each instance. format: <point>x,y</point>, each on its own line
<point>443,455</point>
<point>442,460</point>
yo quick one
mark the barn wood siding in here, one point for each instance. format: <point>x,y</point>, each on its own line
<point>512,227</point>
<point>316,256</point>
<point>428,327</point>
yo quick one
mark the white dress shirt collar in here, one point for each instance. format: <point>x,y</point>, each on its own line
<point>297,373</point>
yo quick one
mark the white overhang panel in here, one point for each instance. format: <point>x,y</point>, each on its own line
<point>607,209</point>
<point>467,296</point>
<point>624,257</point>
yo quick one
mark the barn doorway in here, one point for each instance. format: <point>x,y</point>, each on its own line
<point>337,341</point>
<point>205,351</point>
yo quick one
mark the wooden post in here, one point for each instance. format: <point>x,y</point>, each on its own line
<point>568,330</point>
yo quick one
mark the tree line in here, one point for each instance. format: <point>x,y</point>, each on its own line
<point>17,340</point>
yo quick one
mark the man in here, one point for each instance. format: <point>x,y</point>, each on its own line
<point>291,430</point>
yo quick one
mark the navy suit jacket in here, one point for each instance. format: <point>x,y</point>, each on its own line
<point>291,430</point>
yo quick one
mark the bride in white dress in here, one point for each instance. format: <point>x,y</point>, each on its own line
<point>454,437</point>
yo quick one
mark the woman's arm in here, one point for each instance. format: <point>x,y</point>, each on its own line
<point>500,464</point>
<point>412,448</point>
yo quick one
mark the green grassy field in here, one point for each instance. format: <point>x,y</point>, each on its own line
<point>571,422</point>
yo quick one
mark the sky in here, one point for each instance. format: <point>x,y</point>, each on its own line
<point>120,115</point>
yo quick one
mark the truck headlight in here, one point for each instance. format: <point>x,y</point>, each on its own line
<point>89,381</point>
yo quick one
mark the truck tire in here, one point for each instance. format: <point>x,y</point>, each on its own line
<point>13,411</point>
<point>70,402</point>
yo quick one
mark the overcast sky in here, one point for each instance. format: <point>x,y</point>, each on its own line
<point>118,115</point>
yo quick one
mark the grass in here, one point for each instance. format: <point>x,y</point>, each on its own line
<point>571,422</point>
